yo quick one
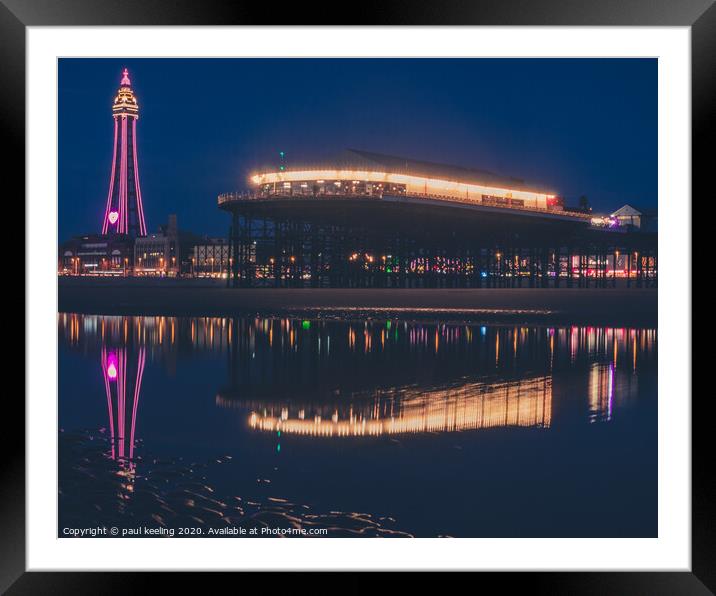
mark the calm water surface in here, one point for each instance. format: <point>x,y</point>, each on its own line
<point>377,427</point>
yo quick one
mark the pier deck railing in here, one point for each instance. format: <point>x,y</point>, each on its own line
<point>225,198</point>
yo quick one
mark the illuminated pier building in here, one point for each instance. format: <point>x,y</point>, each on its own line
<point>371,220</point>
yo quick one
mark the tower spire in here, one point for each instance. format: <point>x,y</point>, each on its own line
<point>124,213</point>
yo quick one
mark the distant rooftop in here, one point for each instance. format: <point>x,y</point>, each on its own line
<point>630,209</point>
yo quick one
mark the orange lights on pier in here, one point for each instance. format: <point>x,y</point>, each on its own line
<point>414,184</point>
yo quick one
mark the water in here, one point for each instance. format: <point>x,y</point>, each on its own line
<point>358,427</point>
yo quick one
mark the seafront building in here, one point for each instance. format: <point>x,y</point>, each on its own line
<point>210,258</point>
<point>96,254</point>
<point>645,220</point>
<point>163,253</point>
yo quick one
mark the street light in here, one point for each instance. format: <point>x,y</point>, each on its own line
<point>616,258</point>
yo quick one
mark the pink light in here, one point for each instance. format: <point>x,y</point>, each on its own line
<point>111,180</point>
<point>112,366</point>
<point>121,389</point>
<point>123,215</point>
<point>125,78</point>
<point>113,217</point>
<point>140,205</point>
<point>108,392</point>
<point>137,388</point>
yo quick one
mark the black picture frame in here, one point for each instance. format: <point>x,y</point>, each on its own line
<point>700,15</point>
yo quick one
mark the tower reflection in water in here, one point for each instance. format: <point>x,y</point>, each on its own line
<point>288,412</point>
<point>121,342</point>
<point>123,384</point>
<point>333,378</point>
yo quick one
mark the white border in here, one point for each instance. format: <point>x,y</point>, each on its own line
<point>670,551</point>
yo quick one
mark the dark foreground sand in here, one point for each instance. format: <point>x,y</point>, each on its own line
<point>609,306</point>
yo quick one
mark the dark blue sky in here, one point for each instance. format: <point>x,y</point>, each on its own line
<point>579,126</point>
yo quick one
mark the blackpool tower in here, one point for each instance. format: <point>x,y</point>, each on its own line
<point>124,213</point>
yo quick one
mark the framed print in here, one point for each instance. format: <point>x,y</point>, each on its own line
<point>392,295</point>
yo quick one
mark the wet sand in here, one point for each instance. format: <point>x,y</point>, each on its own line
<point>632,307</point>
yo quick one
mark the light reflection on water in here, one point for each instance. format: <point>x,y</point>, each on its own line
<point>286,387</point>
<point>467,406</point>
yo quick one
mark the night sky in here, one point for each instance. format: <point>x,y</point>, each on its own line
<point>578,126</point>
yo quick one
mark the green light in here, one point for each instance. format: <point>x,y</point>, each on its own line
<point>279,433</point>
<point>282,168</point>
<point>306,324</point>
<point>278,447</point>
<point>387,324</point>
<point>281,153</point>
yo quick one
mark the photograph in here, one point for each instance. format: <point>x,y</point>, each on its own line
<point>391,296</point>
<point>353,297</point>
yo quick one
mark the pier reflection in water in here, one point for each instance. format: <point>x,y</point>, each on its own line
<point>467,406</point>
<point>426,427</point>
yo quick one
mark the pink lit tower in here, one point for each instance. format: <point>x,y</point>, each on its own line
<point>124,213</point>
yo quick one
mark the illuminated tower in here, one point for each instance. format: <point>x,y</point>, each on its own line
<point>124,213</point>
